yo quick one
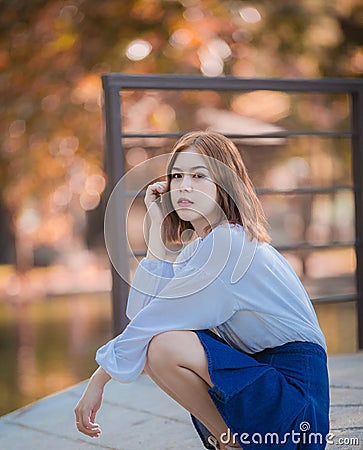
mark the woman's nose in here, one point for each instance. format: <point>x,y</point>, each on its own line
<point>186,182</point>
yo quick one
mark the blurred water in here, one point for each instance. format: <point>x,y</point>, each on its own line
<point>48,345</point>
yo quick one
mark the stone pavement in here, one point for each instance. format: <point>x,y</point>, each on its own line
<point>140,416</point>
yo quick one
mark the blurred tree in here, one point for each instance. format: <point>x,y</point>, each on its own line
<point>53,52</point>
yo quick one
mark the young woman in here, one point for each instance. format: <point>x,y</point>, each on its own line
<point>226,329</point>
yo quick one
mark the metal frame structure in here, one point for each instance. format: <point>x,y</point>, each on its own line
<point>114,84</point>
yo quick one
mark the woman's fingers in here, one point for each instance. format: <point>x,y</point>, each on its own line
<point>90,403</point>
<point>85,424</point>
<point>154,192</point>
<point>93,417</point>
<point>158,187</point>
<point>89,429</point>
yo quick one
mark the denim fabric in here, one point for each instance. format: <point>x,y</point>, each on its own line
<point>274,399</point>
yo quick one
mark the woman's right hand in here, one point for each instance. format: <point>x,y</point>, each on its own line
<point>90,403</point>
<point>152,201</point>
<point>86,410</point>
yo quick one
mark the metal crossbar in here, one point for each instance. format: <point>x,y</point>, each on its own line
<point>195,82</point>
<point>114,84</point>
<point>277,134</point>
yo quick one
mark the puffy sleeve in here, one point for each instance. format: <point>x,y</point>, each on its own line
<point>196,297</point>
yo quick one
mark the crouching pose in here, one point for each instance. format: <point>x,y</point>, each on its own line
<point>225,328</point>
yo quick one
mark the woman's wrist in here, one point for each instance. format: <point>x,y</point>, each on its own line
<point>156,248</point>
<point>100,377</point>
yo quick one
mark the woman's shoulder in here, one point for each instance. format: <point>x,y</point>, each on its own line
<point>221,231</point>
<point>227,232</point>
<point>220,243</point>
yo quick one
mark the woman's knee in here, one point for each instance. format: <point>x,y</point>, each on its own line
<point>162,349</point>
<point>173,349</point>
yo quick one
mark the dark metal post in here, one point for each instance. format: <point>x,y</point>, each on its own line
<point>115,171</point>
<point>357,147</point>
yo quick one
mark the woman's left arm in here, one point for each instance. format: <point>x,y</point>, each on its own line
<point>199,303</point>
<point>124,356</point>
<point>90,403</point>
<point>199,296</point>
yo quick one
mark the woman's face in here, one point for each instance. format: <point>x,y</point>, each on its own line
<point>193,192</point>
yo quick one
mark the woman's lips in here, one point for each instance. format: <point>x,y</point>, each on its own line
<point>184,202</point>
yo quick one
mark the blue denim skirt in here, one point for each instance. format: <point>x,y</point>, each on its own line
<point>274,399</point>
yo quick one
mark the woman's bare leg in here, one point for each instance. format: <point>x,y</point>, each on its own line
<point>177,363</point>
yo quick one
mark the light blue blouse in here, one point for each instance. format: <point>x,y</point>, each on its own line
<point>244,289</point>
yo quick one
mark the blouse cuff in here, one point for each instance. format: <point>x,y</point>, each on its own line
<point>118,367</point>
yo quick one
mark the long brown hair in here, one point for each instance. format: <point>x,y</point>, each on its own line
<point>235,192</point>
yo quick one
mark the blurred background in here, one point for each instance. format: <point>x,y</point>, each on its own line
<point>55,281</point>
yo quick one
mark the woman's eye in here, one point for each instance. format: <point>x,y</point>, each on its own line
<point>195,175</point>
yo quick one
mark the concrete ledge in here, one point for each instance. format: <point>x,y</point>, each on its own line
<point>133,416</point>
<point>346,410</point>
<point>140,416</point>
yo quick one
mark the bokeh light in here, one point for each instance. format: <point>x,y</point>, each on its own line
<point>250,14</point>
<point>138,50</point>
